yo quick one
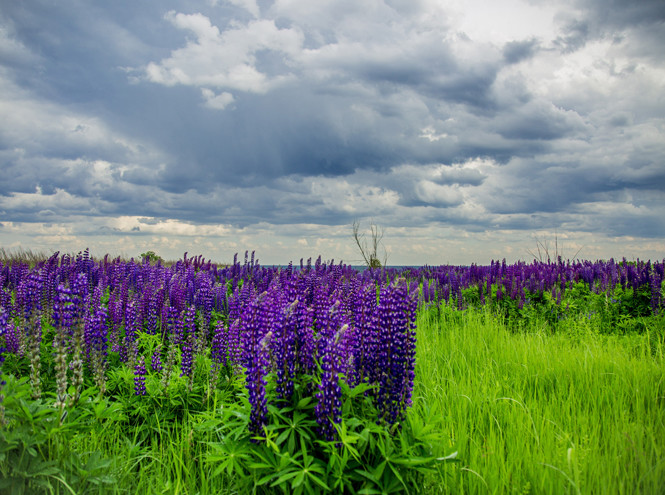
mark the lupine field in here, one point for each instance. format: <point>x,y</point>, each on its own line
<point>190,377</point>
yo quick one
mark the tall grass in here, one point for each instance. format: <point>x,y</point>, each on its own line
<point>26,256</point>
<point>531,411</point>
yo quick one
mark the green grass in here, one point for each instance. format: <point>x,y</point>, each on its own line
<point>531,411</point>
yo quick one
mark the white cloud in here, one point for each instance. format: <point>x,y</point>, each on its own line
<point>438,195</point>
<point>249,5</point>
<point>225,60</point>
<point>218,102</point>
<point>357,199</point>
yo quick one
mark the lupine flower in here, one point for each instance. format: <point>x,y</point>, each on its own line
<point>156,360</point>
<point>255,360</point>
<point>139,377</point>
<point>2,384</point>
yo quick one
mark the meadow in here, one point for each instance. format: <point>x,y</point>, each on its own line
<point>135,376</point>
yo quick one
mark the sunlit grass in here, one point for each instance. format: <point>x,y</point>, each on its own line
<point>536,412</point>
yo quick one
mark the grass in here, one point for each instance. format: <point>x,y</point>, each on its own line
<point>26,256</point>
<point>531,411</point>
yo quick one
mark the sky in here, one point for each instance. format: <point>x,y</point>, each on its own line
<point>466,130</point>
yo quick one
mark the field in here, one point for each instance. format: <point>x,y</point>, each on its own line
<point>135,377</point>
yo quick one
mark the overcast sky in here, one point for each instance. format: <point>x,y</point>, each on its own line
<point>467,130</point>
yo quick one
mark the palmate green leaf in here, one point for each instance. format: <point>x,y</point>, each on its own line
<point>369,491</point>
<point>347,440</point>
<point>265,479</point>
<point>298,480</point>
<point>285,476</point>
<point>397,474</point>
<point>283,436</point>
<point>304,403</point>
<point>378,470</point>
<point>319,482</point>
<point>232,455</point>
<point>26,410</point>
<point>366,474</point>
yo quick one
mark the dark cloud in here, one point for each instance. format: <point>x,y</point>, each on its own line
<point>537,121</point>
<point>625,13</point>
<point>575,35</point>
<point>517,51</point>
<point>321,113</point>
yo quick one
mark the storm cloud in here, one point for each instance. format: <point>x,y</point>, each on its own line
<point>273,125</point>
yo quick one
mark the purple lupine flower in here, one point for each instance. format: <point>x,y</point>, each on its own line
<point>655,282</point>
<point>175,324</point>
<point>329,405</point>
<point>367,325</point>
<point>139,377</point>
<point>220,345</point>
<point>131,330</point>
<point>96,335</point>
<point>2,384</point>
<point>189,329</point>
<point>256,383</point>
<point>283,348</point>
<point>156,360</point>
<point>187,361</point>
<point>12,338</point>
<point>189,324</point>
<point>255,360</point>
<point>395,352</point>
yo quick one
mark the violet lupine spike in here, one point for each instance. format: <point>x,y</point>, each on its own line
<point>186,364</point>
<point>115,319</point>
<point>256,383</point>
<point>2,384</point>
<point>395,352</point>
<point>139,377</point>
<point>366,321</point>
<point>175,327</point>
<point>156,360</point>
<point>255,360</point>
<point>189,324</point>
<point>12,339</point>
<point>283,348</point>
<point>132,327</point>
<point>333,354</point>
<point>305,344</point>
<point>235,344</point>
<point>220,345</point>
<point>329,405</point>
<point>189,335</point>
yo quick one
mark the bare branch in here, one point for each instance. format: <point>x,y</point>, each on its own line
<point>370,254</point>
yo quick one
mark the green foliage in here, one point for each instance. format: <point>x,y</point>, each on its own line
<point>617,311</point>
<point>151,257</point>
<point>36,444</point>
<point>290,458</point>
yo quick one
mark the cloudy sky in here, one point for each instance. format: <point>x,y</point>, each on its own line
<point>468,130</point>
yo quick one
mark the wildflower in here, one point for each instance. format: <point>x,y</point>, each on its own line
<point>139,377</point>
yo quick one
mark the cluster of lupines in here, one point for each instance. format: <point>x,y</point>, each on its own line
<point>521,280</point>
<point>320,320</point>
